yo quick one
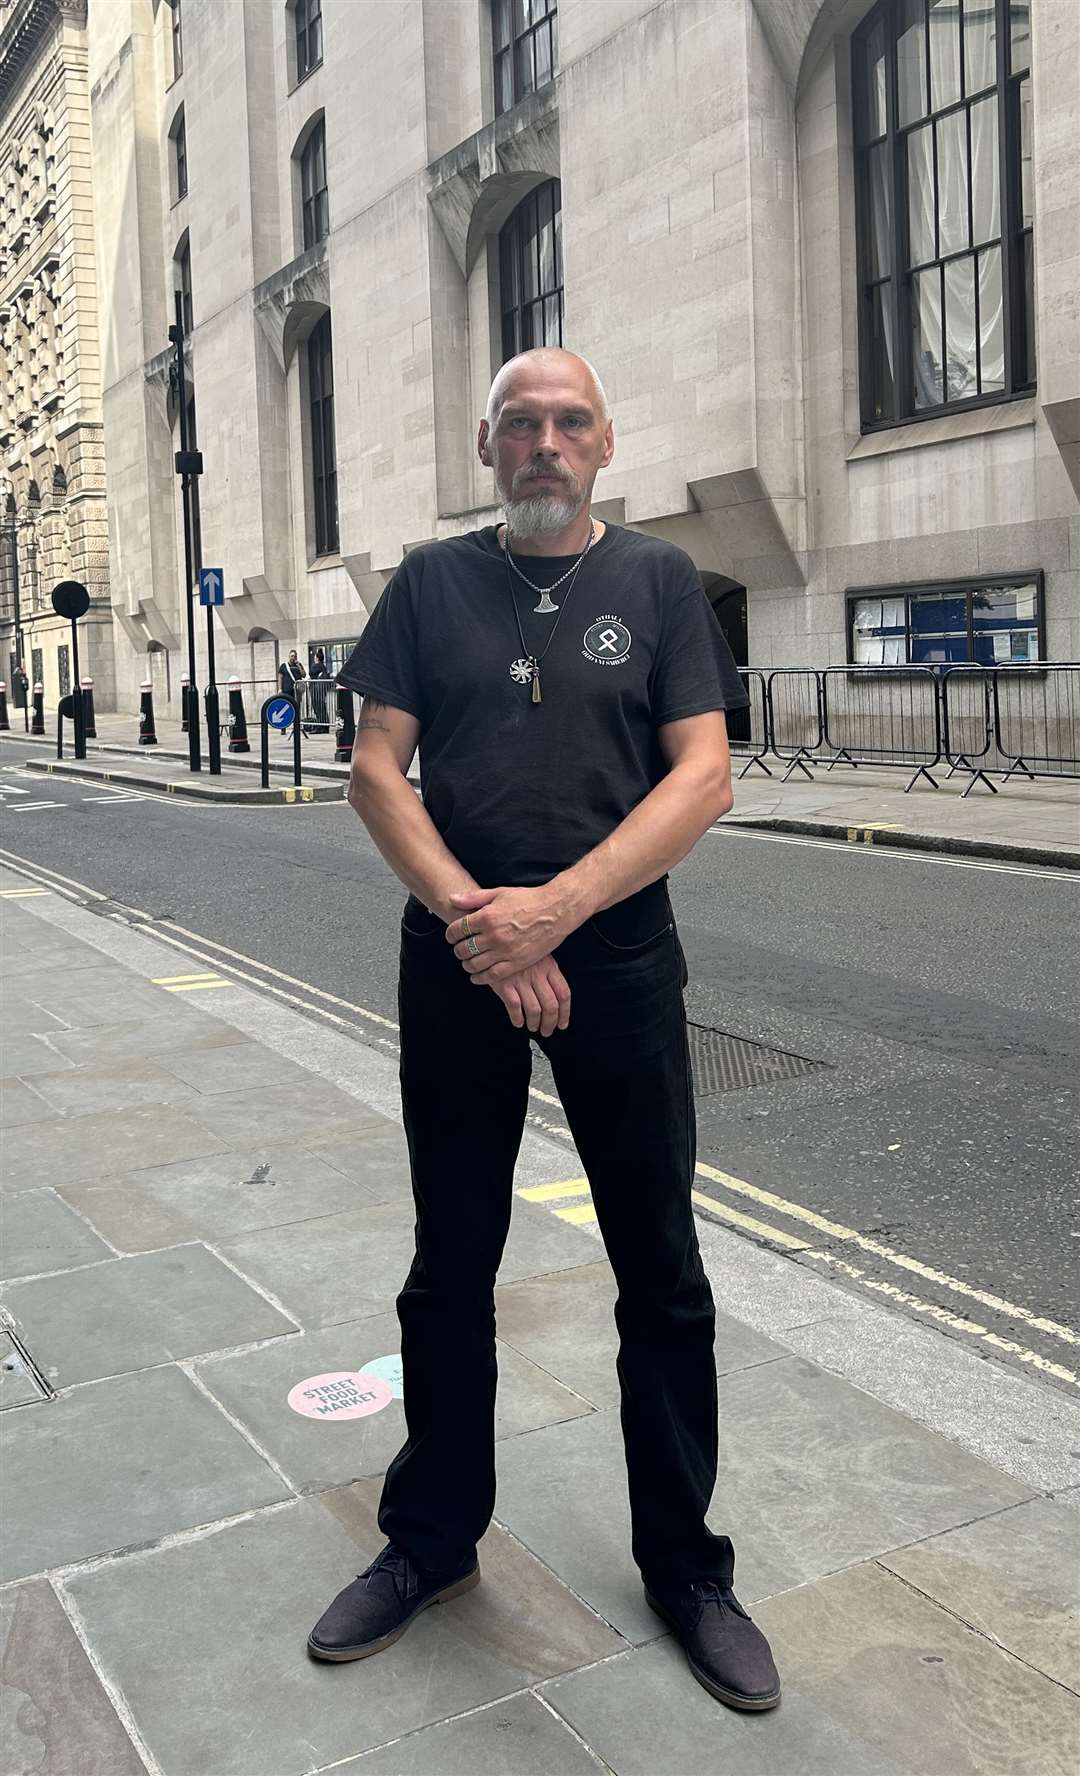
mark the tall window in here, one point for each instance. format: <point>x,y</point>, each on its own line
<point>177,40</point>
<point>525,37</point>
<point>179,140</point>
<point>316,211</point>
<point>307,16</point>
<point>182,262</point>
<point>530,272</point>
<point>943,190</point>
<point>323,446</point>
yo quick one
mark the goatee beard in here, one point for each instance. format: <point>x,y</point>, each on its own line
<point>540,515</point>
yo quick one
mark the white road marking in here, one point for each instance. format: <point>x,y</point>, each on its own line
<point>898,855</point>
<point>35,807</point>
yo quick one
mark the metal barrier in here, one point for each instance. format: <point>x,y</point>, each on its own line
<point>748,729</point>
<point>793,705</point>
<point>967,722</point>
<point>316,701</point>
<point>1037,720</point>
<point>882,715</point>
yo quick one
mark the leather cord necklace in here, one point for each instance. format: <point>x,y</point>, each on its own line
<point>528,666</point>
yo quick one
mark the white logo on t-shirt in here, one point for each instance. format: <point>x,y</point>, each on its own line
<point>607,641</point>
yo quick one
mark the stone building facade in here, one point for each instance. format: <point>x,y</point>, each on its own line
<point>52,468</point>
<point>825,256</point>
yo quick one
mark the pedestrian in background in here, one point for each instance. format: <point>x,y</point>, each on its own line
<point>290,673</point>
<point>566,682</point>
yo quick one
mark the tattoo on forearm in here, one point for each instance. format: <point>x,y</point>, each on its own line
<point>361,726</point>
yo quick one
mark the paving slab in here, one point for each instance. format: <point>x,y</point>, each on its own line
<point>380,1162</point>
<point>242,1066</point>
<point>213,1198</point>
<point>245,1117</point>
<point>98,994</point>
<point>1013,1577</point>
<point>565,1322</point>
<point>55,1718</point>
<point>21,1104</point>
<point>893,1669</point>
<point>28,1055</point>
<point>120,1463</point>
<point>254,1388</point>
<point>645,1715</point>
<point>130,1313</point>
<point>519,1736</point>
<point>793,1441</point>
<point>17,1385</point>
<point>88,1090</point>
<point>230,1688</point>
<point>39,1232</point>
<point>79,1147</point>
<point>173,1026</point>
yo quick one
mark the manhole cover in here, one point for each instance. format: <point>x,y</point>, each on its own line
<point>722,1062</point>
<point>20,1384</point>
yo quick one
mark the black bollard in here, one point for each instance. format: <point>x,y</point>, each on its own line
<point>345,726</point>
<point>37,725</point>
<point>5,724</point>
<point>89,725</point>
<point>147,730</point>
<point>238,738</point>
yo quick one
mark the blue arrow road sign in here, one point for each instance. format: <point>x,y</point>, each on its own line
<point>280,713</point>
<point>211,585</point>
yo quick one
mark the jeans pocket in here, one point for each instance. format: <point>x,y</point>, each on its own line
<point>635,925</point>
<point>416,921</point>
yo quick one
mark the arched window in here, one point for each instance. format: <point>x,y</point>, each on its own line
<point>177,40</point>
<point>525,39</point>
<point>320,368</point>
<point>530,272</point>
<point>943,193</point>
<point>314,201</point>
<point>182,282</point>
<point>307,20</point>
<point>178,138</point>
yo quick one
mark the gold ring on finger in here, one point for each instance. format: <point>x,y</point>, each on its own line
<point>465,932</point>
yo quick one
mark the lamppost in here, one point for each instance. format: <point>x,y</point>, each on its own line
<point>188,464</point>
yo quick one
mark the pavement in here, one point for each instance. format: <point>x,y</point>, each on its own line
<point>1022,822</point>
<point>207,1216</point>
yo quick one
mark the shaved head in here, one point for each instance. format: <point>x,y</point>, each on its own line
<point>545,358</point>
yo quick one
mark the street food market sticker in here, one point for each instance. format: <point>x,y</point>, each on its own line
<point>343,1393</point>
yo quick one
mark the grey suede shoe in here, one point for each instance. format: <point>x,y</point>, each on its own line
<point>378,1606</point>
<point>727,1654</point>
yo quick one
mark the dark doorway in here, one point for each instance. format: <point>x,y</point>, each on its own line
<point>728,600</point>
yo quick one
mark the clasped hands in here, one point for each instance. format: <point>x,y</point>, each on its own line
<point>504,940</point>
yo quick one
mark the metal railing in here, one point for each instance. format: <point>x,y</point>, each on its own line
<point>1017,720</point>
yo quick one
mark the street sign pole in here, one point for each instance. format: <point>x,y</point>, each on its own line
<point>72,600</point>
<point>185,460</point>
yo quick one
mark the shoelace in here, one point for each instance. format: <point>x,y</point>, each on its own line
<point>394,1562</point>
<point>711,1591</point>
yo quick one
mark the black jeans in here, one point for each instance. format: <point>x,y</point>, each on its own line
<point>623,1075</point>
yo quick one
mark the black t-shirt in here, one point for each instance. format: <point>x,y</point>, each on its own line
<point>521,790</point>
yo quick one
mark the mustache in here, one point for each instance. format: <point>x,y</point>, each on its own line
<point>546,472</point>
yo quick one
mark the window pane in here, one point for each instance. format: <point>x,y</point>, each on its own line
<point>944,53</point>
<point>938,627</point>
<point>920,195</point>
<point>315,42</point>
<point>504,82</point>
<point>926,338</point>
<point>1025,152</point>
<point>543,56</point>
<point>991,323</point>
<point>552,321</point>
<point>980,44</point>
<point>879,188</point>
<point>961,374</point>
<point>872,97</point>
<point>547,249</point>
<point>1020,35</point>
<point>910,60</point>
<point>1005,624</point>
<point>1025,373</point>
<point>952,171</point>
<point>985,203</point>
<point>529,284</point>
<point>500,23</point>
<point>554,29</point>
<point>523,66</point>
<point>881,354</point>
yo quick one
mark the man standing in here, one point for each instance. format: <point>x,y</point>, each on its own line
<point>290,672</point>
<point>565,681</point>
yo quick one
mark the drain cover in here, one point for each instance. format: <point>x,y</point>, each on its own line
<point>722,1062</point>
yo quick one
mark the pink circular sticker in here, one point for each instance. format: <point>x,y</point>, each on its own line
<point>344,1393</point>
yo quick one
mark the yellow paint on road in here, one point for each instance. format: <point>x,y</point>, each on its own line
<point>191,983</point>
<point>748,1223</point>
<point>578,1213</point>
<point>542,1193</point>
<point>21,893</point>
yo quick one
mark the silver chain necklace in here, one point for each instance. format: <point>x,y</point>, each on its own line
<point>546,608</point>
<point>526,669</point>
